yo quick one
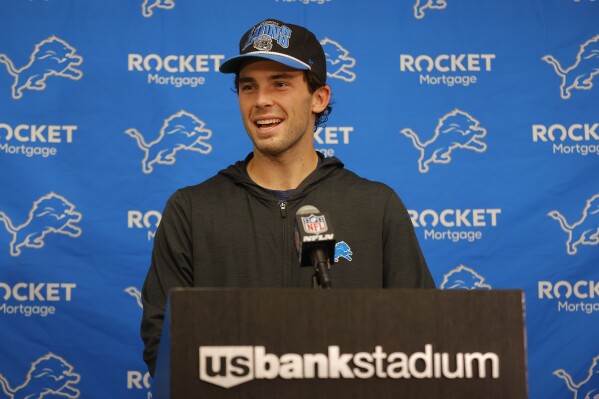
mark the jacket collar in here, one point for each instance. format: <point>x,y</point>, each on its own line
<point>238,174</point>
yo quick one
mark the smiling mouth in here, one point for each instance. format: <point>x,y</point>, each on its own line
<point>268,123</point>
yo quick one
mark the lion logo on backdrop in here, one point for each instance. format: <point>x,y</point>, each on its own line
<point>456,130</point>
<point>51,57</point>
<point>464,278</point>
<point>181,131</point>
<point>583,232</point>
<point>49,375</point>
<point>580,75</point>
<point>339,63</point>
<point>586,389</point>
<point>147,8</point>
<point>52,213</point>
<point>422,5</point>
<point>135,293</point>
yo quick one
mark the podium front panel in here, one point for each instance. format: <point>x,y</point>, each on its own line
<point>297,343</point>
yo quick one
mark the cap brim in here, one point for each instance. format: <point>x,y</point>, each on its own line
<point>233,64</point>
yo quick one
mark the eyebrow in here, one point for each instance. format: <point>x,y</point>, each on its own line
<point>277,76</point>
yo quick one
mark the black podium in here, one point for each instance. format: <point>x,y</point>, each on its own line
<point>342,343</point>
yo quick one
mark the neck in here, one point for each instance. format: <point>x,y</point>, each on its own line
<point>276,173</point>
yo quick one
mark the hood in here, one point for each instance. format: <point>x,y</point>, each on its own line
<point>238,174</point>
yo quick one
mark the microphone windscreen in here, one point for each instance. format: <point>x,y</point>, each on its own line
<point>307,209</point>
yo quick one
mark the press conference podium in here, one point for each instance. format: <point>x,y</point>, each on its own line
<point>342,343</point>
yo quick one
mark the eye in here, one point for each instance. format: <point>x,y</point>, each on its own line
<point>246,87</point>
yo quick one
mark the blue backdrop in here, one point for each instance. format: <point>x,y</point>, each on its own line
<point>482,115</point>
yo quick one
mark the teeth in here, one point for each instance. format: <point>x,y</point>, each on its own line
<point>268,121</point>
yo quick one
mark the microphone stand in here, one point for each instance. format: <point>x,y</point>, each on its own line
<point>321,278</point>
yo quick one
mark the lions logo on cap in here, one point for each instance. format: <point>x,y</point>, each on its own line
<point>263,43</point>
<point>268,31</point>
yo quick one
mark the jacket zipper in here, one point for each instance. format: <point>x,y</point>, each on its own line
<point>283,206</point>
<point>283,209</point>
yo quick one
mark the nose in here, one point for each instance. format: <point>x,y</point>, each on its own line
<point>263,98</point>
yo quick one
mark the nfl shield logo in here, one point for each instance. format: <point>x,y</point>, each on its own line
<point>315,224</point>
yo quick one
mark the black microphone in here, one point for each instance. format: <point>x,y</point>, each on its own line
<point>315,242</point>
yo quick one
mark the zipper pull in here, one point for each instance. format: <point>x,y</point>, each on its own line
<point>283,206</point>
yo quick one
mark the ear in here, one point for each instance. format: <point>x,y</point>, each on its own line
<point>320,99</point>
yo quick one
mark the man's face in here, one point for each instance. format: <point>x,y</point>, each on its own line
<point>277,108</point>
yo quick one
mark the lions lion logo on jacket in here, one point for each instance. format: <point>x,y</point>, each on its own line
<point>342,250</point>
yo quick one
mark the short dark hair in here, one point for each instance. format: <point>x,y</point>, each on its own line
<point>313,84</point>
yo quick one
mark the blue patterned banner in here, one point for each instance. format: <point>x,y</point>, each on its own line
<point>482,115</point>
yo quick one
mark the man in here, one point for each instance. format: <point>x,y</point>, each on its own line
<point>237,228</point>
